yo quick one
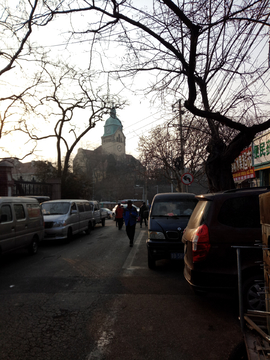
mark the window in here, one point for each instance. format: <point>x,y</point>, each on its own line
<point>33,210</point>
<point>19,211</point>
<point>80,207</point>
<point>199,214</point>
<point>173,207</point>
<point>73,207</point>
<point>6,210</point>
<point>55,208</point>
<point>241,212</point>
<point>87,207</point>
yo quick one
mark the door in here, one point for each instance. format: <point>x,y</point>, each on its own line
<point>23,235</point>
<point>7,228</point>
<point>73,218</point>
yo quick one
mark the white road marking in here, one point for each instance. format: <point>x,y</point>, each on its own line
<point>106,334</point>
<point>106,330</point>
<point>129,261</point>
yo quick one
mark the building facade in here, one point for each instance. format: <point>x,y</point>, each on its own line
<point>112,173</point>
<point>113,140</point>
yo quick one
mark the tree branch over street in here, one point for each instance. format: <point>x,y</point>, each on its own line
<point>70,95</point>
<point>17,23</point>
<point>210,54</point>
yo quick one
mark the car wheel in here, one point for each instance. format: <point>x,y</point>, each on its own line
<point>254,293</point>
<point>103,222</point>
<point>69,236</point>
<point>88,230</point>
<point>151,262</point>
<point>33,247</point>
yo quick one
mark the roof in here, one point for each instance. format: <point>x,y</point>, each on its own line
<point>174,196</point>
<point>112,124</point>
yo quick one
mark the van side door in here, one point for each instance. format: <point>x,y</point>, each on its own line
<point>23,235</point>
<point>96,212</point>
<point>7,228</point>
<point>73,218</point>
<point>82,217</point>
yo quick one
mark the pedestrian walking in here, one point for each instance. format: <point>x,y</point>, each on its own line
<point>119,211</point>
<point>130,217</point>
<point>143,215</point>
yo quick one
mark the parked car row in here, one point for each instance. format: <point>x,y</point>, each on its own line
<point>24,223</point>
<point>217,224</point>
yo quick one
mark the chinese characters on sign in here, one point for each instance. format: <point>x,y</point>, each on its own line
<point>242,168</point>
<point>261,150</point>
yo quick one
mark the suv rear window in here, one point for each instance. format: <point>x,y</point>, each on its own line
<point>240,212</point>
<point>199,214</point>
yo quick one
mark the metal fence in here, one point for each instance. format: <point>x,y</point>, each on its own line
<point>27,188</point>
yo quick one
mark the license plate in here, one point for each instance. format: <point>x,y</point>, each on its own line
<point>177,256</point>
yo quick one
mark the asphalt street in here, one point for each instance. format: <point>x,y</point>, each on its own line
<point>96,299</point>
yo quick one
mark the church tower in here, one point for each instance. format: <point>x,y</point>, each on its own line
<point>113,139</point>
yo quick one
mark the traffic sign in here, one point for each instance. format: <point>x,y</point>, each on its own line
<point>187,178</point>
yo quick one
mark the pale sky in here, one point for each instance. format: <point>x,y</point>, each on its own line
<point>138,118</point>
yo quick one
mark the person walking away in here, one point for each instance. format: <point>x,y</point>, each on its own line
<point>119,211</point>
<point>143,216</point>
<point>130,217</point>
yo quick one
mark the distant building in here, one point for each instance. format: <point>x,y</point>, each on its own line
<point>109,164</point>
<point>113,139</point>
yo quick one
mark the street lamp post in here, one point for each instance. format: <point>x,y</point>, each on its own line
<point>142,187</point>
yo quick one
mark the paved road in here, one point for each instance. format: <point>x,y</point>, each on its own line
<point>95,299</point>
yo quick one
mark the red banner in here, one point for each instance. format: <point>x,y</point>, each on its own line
<point>242,168</point>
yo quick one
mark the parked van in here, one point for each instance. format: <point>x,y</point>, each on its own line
<point>168,218</point>
<point>64,218</point>
<point>21,224</point>
<point>98,214</point>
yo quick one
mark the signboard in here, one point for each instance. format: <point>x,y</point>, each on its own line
<point>261,150</point>
<point>242,168</point>
<point>187,178</point>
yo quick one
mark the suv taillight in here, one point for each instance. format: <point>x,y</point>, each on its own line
<point>200,244</point>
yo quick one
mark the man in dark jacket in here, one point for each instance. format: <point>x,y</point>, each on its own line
<point>143,215</point>
<point>130,217</point>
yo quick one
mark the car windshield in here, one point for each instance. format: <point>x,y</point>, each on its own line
<point>56,208</point>
<point>173,208</point>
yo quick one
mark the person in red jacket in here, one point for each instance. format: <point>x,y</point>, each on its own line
<point>119,216</point>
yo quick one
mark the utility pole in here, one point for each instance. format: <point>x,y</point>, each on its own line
<point>182,144</point>
<point>182,151</point>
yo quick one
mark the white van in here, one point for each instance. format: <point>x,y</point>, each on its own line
<point>64,218</point>
<point>21,224</point>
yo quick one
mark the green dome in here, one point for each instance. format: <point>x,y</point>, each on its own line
<point>112,124</point>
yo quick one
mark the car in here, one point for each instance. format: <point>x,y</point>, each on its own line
<point>21,224</point>
<point>219,223</point>
<point>67,217</point>
<point>169,215</point>
<point>108,211</point>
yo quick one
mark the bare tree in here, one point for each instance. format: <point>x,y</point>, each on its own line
<point>17,22</point>
<point>209,53</point>
<point>70,97</point>
<point>172,147</point>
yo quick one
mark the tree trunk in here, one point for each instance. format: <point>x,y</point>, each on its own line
<point>218,167</point>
